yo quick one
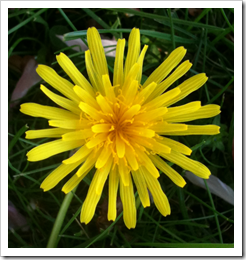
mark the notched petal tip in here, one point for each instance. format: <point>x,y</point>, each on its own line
<point>64,190</point>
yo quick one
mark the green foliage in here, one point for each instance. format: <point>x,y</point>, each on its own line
<point>198,218</point>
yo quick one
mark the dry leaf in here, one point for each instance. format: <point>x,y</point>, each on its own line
<point>27,80</point>
<point>15,219</point>
<point>216,186</point>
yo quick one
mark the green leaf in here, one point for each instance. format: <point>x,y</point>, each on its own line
<point>16,137</point>
<point>154,34</point>
<point>18,26</point>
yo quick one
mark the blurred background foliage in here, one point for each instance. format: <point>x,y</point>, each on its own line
<point>198,218</point>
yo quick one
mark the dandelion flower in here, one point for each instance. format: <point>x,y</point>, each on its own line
<point>119,126</point>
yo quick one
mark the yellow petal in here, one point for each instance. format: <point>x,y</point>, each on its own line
<point>133,50</point>
<point>197,130</point>
<point>74,74</point>
<point>166,67</point>
<point>112,194</point>
<point>176,112</point>
<point>77,135</point>
<point>176,146</point>
<point>140,131</point>
<point>128,203</point>
<point>81,154</point>
<point>188,164</point>
<point>130,113</point>
<point>169,171</point>
<point>61,101</point>
<point>52,132</point>
<point>85,96</point>
<point>70,124</point>
<point>164,128</point>
<point>151,115</point>
<point>97,51</point>
<point>131,158</point>
<point>104,171</point>
<point>178,73</point>
<point>57,82</point>
<point>74,181</point>
<point>131,92</point>
<point>159,197</point>
<point>145,93</point>
<point>152,144</point>
<point>49,149</point>
<point>147,163</point>
<point>118,64</point>
<point>140,62</point>
<point>162,100</point>
<point>203,112</point>
<point>95,79</point>
<point>158,146</point>
<point>120,146</point>
<point>57,175</point>
<point>132,75</point>
<point>103,157</point>
<point>91,111</point>
<point>101,128</point>
<point>88,164</point>
<point>97,140</point>
<point>124,172</point>
<point>141,187</point>
<point>109,91</point>
<point>37,110</point>
<point>92,198</point>
<point>188,87</point>
<point>104,105</point>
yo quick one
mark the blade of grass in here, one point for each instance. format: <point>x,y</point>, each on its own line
<point>67,19</point>
<point>206,205</point>
<point>215,215</point>
<point>29,142</point>
<point>205,159</point>
<point>26,21</point>
<point>96,18</point>
<point>113,236</point>
<point>202,14</point>
<point>70,221</point>
<point>159,17</point>
<point>68,48</point>
<point>26,11</point>
<point>221,92</point>
<point>172,29</point>
<point>185,245</point>
<point>198,51</point>
<point>21,199</point>
<point>183,208</point>
<point>205,56</point>
<point>127,244</point>
<point>18,237</point>
<point>53,240</point>
<point>37,170</point>
<point>93,240</point>
<point>161,227</point>
<point>227,21</point>
<point>16,137</point>
<point>75,35</point>
<point>38,183</point>
<point>221,36</point>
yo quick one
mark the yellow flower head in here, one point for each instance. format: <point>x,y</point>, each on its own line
<point>119,128</point>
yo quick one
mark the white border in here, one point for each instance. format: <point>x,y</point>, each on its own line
<point>237,251</point>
